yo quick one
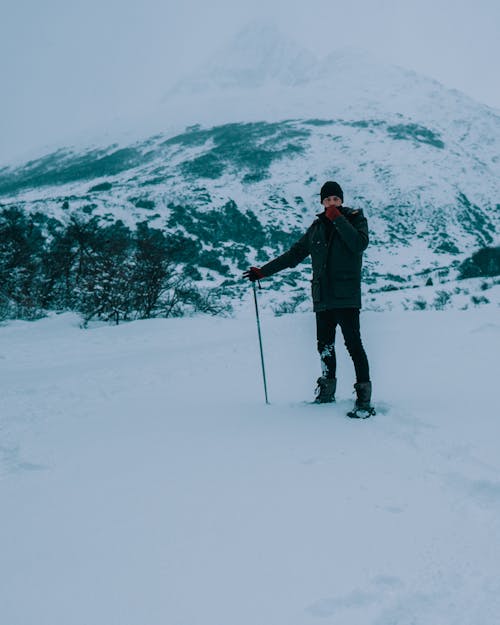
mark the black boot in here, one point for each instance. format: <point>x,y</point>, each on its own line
<point>362,408</point>
<point>325,391</point>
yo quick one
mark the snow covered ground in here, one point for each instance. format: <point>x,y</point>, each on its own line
<point>144,482</point>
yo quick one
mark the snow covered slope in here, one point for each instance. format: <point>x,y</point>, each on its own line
<point>421,160</point>
<point>143,480</point>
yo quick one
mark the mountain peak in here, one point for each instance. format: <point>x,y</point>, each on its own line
<point>258,54</point>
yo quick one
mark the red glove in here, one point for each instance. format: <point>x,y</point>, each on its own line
<point>253,274</point>
<point>332,212</point>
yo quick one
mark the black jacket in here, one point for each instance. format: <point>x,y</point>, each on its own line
<point>336,250</point>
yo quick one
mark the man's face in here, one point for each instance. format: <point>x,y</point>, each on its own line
<point>332,200</point>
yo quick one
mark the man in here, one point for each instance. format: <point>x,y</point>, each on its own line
<point>335,241</point>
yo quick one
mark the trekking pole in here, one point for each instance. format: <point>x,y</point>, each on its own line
<point>260,340</point>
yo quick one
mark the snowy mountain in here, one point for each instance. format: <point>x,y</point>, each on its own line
<point>268,123</point>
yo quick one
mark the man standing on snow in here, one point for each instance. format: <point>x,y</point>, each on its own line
<point>335,241</point>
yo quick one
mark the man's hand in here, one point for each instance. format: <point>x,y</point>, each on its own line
<point>332,212</point>
<point>253,274</point>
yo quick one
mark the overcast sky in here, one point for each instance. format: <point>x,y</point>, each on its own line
<point>70,67</point>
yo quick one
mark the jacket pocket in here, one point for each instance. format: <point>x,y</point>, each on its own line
<point>346,286</point>
<point>315,290</point>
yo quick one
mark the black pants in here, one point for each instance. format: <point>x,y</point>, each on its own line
<point>348,320</point>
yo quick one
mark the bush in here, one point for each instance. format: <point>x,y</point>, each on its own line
<point>290,306</point>
<point>99,268</point>
<point>419,304</point>
<point>441,300</point>
<point>478,300</point>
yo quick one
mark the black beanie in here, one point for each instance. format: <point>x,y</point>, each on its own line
<point>331,188</point>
